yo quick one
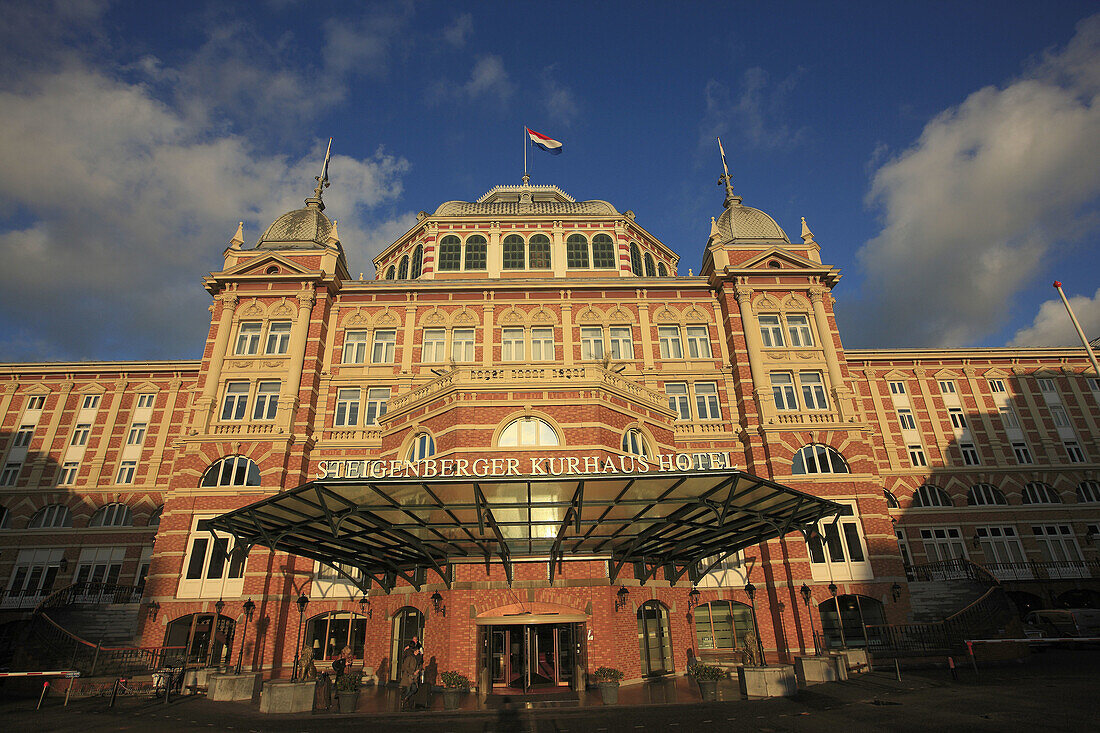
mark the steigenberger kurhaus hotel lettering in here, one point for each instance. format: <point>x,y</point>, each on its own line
<point>533,440</point>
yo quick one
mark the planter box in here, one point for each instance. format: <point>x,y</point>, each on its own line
<point>231,687</point>
<point>856,660</point>
<point>761,682</point>
<point>348,701</point>
<point>451,696</point>
<point>816,670</point>
<point>609,691</point>
<point>708,690</point>
<point>283,696</point>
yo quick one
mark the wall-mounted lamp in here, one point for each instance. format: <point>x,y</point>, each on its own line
<point>219,606</point>
<point>364,607</point>
<point>895,591</point>
<point>621,598</point>
<point>151,610</point>
<point>976,541</point>
<point>750,591</point>
<point>437,604</point>
<point>807,594</point>
<point>833,589</point>
<point>693,597</point>
<point>63,565</point>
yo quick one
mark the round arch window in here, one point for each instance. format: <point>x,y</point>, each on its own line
<point>818,458</point>
<point>530,431</point>
<point>112,515</point>
<point>634,442</point>
<point>232,471</point>
<point>423,446</point>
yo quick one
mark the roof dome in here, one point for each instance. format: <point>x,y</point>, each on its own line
<point>306,228</point>
<point>745,222</point>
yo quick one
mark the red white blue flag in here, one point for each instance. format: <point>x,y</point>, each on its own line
<point>548,144</point>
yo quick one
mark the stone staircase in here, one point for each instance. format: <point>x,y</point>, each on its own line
<point>934,600</point>
<point>110,625</point>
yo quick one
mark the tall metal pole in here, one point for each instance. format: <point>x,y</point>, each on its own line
<point>1076,325</point>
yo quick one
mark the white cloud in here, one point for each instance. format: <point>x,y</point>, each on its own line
<point>558,99</point>
<point>459,30</point>
<point>756,116</point>
<point>367,44</point>
<point>488,79</point>
<point>1052,326</point>
<point>989,190</point>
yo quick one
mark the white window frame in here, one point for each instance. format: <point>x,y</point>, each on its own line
<point>249,335</point>
<point>1046,385</point>
<point>917,456</point>
<point>621,339</point>
<point>958,419</point>
<point>235,401</point>
<point>947,386</point>
<point>843,548</point>
<point>1022,453</point>
<point>698,342</point>
<point>81,432</point>
<point>1058,414</point>
<point>634,443</point>
<point>10,474</point>
<point>23,436</point>
<point>1008,418</point>
<point>591,343</point>
<point>136,436</point>
<point>433,349</point>
<point>423,447</point>
<point>90,402</point>
<point>814,396</point>
<point>228,583</point>
<point>145,401</point>
<point>1074,452</point>
<point>783,393</point>
<point>670,343</point>
<point>1000,544</point>
<point>512,343</point>
<point>771,330</point>
<point>906,419</point>
<point>1038,493</point>
<point>126,471</point>
<point>384,346</point>
<point>928,496</point>
<point>1088,492</point>
<point>706,400</point>
<point>463,345</point>
<point>896,387</point>
<point>266,404</point>
<point>970,454</point>
<point>346,412</point>
<point>997,386</point>
<point>35,402</point>
<point>540,435</point>
<point>985,495</point>
<point>355,348</point>
<point>799,332</point>
<point>542,343</point>
<point>68,473</point>
<point>375,406</point>
<point>678,399</point>
<point>278,338</point>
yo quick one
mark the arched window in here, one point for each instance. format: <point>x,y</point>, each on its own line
<point>530,431</point>
<point>539,252</point>
<point>5,518</point>
<point>845,618</point>
<point>654,639</point>
<point>818,458</point>
<point>662,271</point>
<point>408,622</point>
<point>929,495</point>
<point>514,253</point>
<point>112,515</point>
<point>450,254</point>
<point>985,495</point>
<point>417,262</point>
<point>232,471</point>
<point>634,442</point>
<point>423,446</point>
<point>650,266</point>
<point>635,259</point>
<point>891,500</point>
<point>154,518</point>
<point>576,251</point>
<point>475,252</point>
<point>329,633</point>
<point>1037,492</point>
<point>390,273</point>
<point>603,251</point>
<point>403,268</point>
<point>722,625</point>
<point>50,517</point>
<point>1088,492</point>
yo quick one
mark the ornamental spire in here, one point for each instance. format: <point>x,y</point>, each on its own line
<point>322,181</point>
<point>726,179</point>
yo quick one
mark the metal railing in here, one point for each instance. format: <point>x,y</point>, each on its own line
<point>91,594</point>
<point>986,616</point>
<point>59,643</point>
<point>1050,570</point>
<point>958,568</point>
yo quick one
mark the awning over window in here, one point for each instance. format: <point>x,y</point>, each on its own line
<point>404,528</point>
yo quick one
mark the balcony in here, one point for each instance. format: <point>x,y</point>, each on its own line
<point>1052,570</point>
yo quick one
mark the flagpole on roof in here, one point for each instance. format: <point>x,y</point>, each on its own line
<point>1077,326</point>
<point>526,177</point>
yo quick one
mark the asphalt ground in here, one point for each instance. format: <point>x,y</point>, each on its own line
<point>1053,691</point>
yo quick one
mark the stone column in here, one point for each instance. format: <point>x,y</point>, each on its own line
<point>487,331</point>
<point>761,383</point>
<point>494,255</point>
<point>566,328</point>
<point>299,334</point>
<point>647,332</point>
<point>557,250</point>
<point>407,338</point>
<point>841,394</point>
<point>205,404</point>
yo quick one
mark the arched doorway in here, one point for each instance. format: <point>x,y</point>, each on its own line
<point>407,623</point>
<point>202,640</point>
<point>1079,598</point>
<point>1025,602</point>
<point>844,620</point>
<point>329,633</point>
<point>654,639</point>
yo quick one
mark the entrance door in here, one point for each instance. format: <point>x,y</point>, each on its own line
<point>407,623</point>
<point>654,639</point>
<point>98,568</point>
<point>532,656</point>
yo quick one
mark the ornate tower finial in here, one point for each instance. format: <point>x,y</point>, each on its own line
<point>526,179</point>
<point>238,238</point>
<point>730,198</point>
<point>322,181</point>
<point>807,235</point>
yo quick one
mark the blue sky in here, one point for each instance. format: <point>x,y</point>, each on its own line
<point>946,155</point>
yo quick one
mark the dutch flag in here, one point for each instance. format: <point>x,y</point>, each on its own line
<point>548,144</point>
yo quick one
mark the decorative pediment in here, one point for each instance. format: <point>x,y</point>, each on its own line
<point>619,314</point>
<point>464,317</point>
<point>590,314</point>
<point>282,309</point>
<point>946,374</point>
<point>357,317</point>
<point>665,314</point>
<point>512,317</point>
<point>694,315</point>
<point>144,387</point>
<point>995,373</point>
<point>93,388</point>
<point>787,260</point>
<point>261,265</point>
<point>795,302</point>
<point>254,309</point>
<point>896,375</point>
<point>543,316</point>
<point>35,389</point>
<point>765,302</point>
<point>386,318</point>
<point>434,317</point>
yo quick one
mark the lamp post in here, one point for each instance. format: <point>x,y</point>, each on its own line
<point>807,596</point>
<point>839,618</point>
<point>218,606</point>
<point>693,597</point>
<point>302,602</point>
<point>895,591</point>
<point>437,604</point>
<point>750,591</point>
<point>248,608</point>
<point>364,607</point>
<point>621,597</point>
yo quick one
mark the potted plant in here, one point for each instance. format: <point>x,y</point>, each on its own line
<point>707,676</point>
<point>453,684</point>
<point>347,691</point>
<point>607,679</point>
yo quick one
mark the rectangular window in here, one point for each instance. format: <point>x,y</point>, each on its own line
<point>783,391</point>
<point>91,402</point>
<point>511,344</point>
<point>126,472</point>
<point>798,328</point>
<point>1093,383</point>
<point>248,338</point>
<point>1074,452</point>
<point>68,473</point>
<point>917,457</point>
<point>145,401</point>
<point>434,348</point>
<point>771,333</point>
<point>591,342</point>
<point>669,337</point>
<point>10,474</point>
<point>897,387</point>
<point>813,390</point>
<point>1047,385</point>
<point>36,402</point>
<point>958,420</point>
<point>947,386</point>
<point>698,339</point>
<point>385,347</point>
<point>462,345</point>
<point>1061,419</point>
<point>706,401</point>
<point>347,407</point>
<point>137,434</point>
<point>355,347</point>
<point>377,397</point>
<point>622,342</point>
<point>678,399</point>
<point>1008,417</point>
<point>236,401</point>
<point>905,417</point>
<point>997,386</point>
<point>1023,454</point>
<point>267,401</point>
<point>542,344</point>
<point>970,454</point>
<point>80,434</point>
<point>840,544</point>
<point>278,337</point>
<point>23,436</point>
